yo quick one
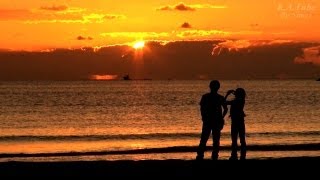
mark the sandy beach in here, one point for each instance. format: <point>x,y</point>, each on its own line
<point>152,168</point>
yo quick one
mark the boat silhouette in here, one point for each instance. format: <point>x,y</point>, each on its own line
<point>126,77</point>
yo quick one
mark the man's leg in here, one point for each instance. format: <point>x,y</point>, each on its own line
<point>234,139</point>
<point>216,133</point>
<point>242,135</point>
<point>206,129</point>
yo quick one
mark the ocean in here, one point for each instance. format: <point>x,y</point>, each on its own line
<point>138,120</point>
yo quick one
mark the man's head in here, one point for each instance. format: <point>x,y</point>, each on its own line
<point>214,86</point>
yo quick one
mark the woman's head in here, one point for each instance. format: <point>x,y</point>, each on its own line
<point>240,93</point>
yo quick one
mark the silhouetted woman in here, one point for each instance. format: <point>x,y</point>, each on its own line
<point>237,122</point>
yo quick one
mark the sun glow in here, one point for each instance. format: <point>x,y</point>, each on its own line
<point>105,77</point>
<point>139,45</point>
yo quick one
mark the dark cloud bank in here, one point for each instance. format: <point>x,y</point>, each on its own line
<point>186,25</point>
<point>178,7</point>
<point>175,60</point>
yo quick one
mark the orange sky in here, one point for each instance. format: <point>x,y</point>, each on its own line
<point>38,24</point>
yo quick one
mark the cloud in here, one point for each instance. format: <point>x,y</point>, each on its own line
<point>237,45</point>
<point>54,8</point>
<point>94,17</point>
<point>310,55</point>
<point>178,7</point>
<point>186,34</point>
<point>73,10</point>
<point>231,45</point>
<point>83,19</point>
<point>183,34</point>
<point>165,8</point>
<point>183,7</point>
<point>186,25</point>
<point>114,16</point>
<point>56,14</point>
<point>208,6</point>
<point>80,38</point>
<point>162,61</point>
<point>202,33</point>
<point>143,35</point>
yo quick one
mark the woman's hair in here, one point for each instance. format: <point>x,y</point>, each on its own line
<point>240,93</point>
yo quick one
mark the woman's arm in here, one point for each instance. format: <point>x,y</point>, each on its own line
<point>226,97</point>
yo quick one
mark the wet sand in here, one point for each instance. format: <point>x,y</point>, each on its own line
<point>149,168</point>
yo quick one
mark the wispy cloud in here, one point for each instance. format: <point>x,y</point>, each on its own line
<point>114,16</point>
<point>54,8</point>
<point>144,35</point>
<point>184,34</point>
<point>56,14</point>
<point>174,35</point>
<point>81,38</point>
<point>237,45</point>
<point>100,18</point>
<point>184,7</point>
<point>202,33</point>
<point>310,55</point>
<point>165,8</point>
<point>72,10</point>
<point>208,6</point>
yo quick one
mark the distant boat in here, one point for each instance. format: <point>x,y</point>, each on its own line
<point>126,77</point>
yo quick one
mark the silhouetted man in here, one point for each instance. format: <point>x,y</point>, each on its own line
<point>212,117</point>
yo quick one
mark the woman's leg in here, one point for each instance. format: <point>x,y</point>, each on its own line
<point>234,139</point>
<point>242,136</point>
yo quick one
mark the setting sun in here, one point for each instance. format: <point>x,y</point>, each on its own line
<point>139,45</point>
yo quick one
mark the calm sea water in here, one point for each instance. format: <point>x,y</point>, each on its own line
<point>92,116</point>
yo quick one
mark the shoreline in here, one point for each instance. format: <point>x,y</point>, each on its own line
<point>175,149</point>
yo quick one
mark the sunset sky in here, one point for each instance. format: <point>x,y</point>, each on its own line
<point>47,25</point>
<point>40,24</point>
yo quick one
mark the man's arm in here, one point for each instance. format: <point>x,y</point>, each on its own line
<point>224,104</point>
<point>202,109</point>
<point>225,109</point>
